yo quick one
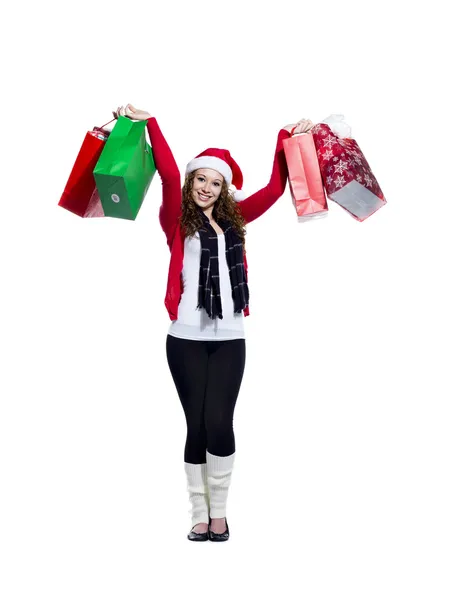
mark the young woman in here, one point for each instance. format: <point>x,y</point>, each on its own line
<point>207,298</point>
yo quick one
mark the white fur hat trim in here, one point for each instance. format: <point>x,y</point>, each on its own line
<point>211,162</point>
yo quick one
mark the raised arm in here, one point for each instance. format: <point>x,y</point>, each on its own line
<point>163,157</point>
<point>165,164</point>
<point>171,180</point>
<point>259,202</point>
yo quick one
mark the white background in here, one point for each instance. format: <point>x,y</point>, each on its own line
<point>340,487</point>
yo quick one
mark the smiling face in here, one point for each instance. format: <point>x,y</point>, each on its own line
<point>207,186</point>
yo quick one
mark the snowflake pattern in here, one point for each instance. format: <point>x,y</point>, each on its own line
<point>342,166</point>
<point>329,141</point>
<point>337,172</point>
<point>368,180</point>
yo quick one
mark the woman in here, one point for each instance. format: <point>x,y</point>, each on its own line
<point>207,298</point>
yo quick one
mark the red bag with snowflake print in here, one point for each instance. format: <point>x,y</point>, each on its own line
<point>347,176</point>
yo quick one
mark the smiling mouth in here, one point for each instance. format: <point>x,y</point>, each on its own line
<point>202,197</point>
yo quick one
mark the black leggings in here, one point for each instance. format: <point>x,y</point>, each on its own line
<point>207,375</point>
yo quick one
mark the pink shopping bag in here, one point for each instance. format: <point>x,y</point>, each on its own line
<point>304,176</point>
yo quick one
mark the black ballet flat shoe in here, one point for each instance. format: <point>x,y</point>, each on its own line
<point>197,537</point>
<point>218,537</point>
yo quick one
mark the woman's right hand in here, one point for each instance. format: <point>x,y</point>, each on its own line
<point>302,126</point>
<point>133,113</point>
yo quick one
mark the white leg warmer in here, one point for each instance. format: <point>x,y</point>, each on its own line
<point>219,470</point>
<point>198,492</point>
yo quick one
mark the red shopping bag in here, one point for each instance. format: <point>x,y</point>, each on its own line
<point>304,176</point>
<point>80,195</point>
<point>347,176</point>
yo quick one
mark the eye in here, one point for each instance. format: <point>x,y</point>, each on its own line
<point>217,184</point>
<point>200,178</point>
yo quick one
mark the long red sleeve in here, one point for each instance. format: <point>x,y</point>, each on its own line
<point>171,180</point>
<point>255,205</point>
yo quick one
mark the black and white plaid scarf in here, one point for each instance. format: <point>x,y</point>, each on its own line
<point>209,279</point>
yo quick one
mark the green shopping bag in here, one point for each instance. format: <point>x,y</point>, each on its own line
<point>125,169</point>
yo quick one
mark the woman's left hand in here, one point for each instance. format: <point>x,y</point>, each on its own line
<point>302,126</point>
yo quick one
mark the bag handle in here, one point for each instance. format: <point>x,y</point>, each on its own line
<point>114,119</point>
<point>102,128</point>
<point>292,134</point>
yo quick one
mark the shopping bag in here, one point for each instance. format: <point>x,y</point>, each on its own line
<point>125,169</point>
<point>346,174</point>
<point>80,195</point>
<point>304,177</point>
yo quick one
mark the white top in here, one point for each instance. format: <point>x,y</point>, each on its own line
<point>193,323</point>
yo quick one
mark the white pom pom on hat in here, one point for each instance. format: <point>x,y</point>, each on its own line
<point>220,160</point>
<point>239,195</point>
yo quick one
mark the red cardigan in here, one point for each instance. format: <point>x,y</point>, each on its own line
<point>251,208</point>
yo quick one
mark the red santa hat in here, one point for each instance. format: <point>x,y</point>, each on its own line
<point>221,161</point>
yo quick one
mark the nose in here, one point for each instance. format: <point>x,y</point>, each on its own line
<point>206,187</point>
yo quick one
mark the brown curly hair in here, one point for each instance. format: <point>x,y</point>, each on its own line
<point>225,207</point>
